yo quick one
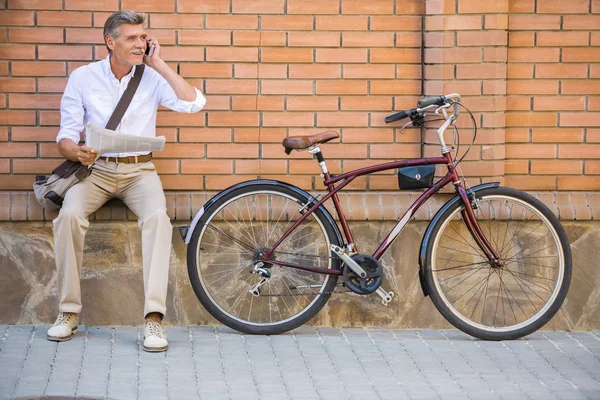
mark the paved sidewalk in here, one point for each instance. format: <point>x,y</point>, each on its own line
<point>323,363</point>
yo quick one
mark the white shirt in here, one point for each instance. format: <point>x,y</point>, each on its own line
<point>93,91</point>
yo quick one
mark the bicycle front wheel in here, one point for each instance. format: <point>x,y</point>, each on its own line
<point>499,302</point>
<point>228,242</point>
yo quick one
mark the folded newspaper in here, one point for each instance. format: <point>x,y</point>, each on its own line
<point>106,141</point>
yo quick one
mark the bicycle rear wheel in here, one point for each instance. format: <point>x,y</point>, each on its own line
<point>499,302</point>
<point>227,243</point>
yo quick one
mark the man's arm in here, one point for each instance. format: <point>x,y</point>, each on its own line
<point>74,152</point>
<point>183,90</point>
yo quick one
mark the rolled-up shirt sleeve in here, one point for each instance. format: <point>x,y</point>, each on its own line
<point>71,111</point>
<point>169,99</point>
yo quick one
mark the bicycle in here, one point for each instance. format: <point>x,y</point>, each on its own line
<point>264,256</point>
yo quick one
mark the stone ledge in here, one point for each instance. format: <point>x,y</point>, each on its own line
<point>358,206</point>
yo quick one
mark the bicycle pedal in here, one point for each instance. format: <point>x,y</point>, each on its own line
<point>386,297</point>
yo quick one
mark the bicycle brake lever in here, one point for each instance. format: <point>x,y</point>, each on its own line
<point>404,126</point>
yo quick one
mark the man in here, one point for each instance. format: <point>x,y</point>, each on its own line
<point>91,95</point>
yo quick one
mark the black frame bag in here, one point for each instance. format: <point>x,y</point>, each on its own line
<point>50,190</point>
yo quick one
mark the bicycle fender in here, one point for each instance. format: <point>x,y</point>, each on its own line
<point>257,182</point>
<point>429,231</point>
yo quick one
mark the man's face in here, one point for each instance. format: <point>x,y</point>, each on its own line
<point>130,45</point>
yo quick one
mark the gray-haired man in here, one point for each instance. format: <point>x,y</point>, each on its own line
<point>91,96</point>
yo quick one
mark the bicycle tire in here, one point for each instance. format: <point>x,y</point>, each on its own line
<point>282,202</point>
<point>529,265</point>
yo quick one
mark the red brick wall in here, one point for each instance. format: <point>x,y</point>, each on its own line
<point>528,69</point>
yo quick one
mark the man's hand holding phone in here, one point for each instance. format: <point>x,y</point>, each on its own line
<point>152,56</point>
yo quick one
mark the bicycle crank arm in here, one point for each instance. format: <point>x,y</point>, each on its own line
<point>353,265</point>
<point>386,297</point>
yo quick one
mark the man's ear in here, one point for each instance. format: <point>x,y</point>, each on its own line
<point>110,42</point>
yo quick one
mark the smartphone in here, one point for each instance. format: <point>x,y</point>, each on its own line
<point>149,50</point>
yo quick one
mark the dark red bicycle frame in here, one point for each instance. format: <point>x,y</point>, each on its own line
<point>452,176</point>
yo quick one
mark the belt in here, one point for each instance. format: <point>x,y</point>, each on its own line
<point>129,160</point>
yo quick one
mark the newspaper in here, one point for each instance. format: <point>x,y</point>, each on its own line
<point>106,141</point>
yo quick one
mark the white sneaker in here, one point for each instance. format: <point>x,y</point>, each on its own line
<point>154,337</point>
<point>64,328</point>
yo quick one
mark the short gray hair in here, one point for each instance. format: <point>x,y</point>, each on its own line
<point>111,26</point>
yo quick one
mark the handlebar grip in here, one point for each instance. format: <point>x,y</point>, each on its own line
<point>427,101</point>
<point>397,116</point>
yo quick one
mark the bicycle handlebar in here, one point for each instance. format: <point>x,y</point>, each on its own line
<point>422,104</point>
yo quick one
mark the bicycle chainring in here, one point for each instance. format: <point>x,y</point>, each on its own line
<point>363,285</point>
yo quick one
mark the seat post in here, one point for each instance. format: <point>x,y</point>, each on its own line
<point>316,152</point>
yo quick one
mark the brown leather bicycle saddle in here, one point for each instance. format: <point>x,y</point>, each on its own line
<point>304,142</point>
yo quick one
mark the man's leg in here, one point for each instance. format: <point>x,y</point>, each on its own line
<point>143,194</point>
<point>70,228</point>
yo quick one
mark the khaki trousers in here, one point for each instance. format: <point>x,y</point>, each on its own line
<point>139,186</point>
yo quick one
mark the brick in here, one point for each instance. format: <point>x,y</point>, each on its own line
<point>259,39</point>
<point>310,167</point>
<point>533,22</point>
<point>261,166</point>
<point>369,8</point>
<point>465,88</point>
<point>592,167</point>
<point>516,135</point>
<point>177,150</point>
<point>286,55</point>
<point>477,7</point>
<point>595,39</point>
<point>483,38</point>
<point>369,135</point>
<point>34,166</point>
<point>580,119</point>
<point>557,135</point>
<point>231,54</point>
<point>521,39</point>
<point>236,86</point>
<point>303,71</point>
<point>33,134</point>
<point>202,135</point>
<point>556,167</point>
<point>167,166</point>
<point>562,39</point>
<point>559,103</point>
<point>92,5</point>
<point>169,53</point>
<point>310,103</point>
<point>288,119</point>
<point>263,71</point>
<point>395,56</point>
<point>36,35</point>
<point>579,151</point>
<point>560,71</point>
<point>4,68</point>
<point>531,119</point>
<point>258,7</point>
<point>230,150</point>
<point>233,119</point>
<point>453,22</point>
<point>534,55</point>
<point>286,22</point>
<point>341,23</point>
<point>49,118</point>
<point>35,101</point>
<point>519,71</point>
<point>52,85</point>
<point>481,71</point>
<point>395,151</point>
<point>203,7</point>
<point>249,103</point>
<point>260,135</point>
<point>531,182</point>
<point>521,6</point>
<point>17,18</point>
<point>530,151</point>
<point>532,87</point>
<point>341,87</point>
<point>17,51</point>
<point>211,167</point>
<point>35,4</point>
<point>366,104</point>
<point>578,183</point>
<point>371,39</point>
<point>148,6</point>
<point>287,87</point>
<point>495,21</point>
<point>204,38</point>
<point>516,167</point>
<point>64,18</point>
<point>51,52</point>
<point>571,7</point>
<point>439,71</point>
<point>11,150</point>
<point>593,135</point>
<point>366,71</point>
<point>580,55</point>
<point>10,117</point>
<point>452,56</point>
<point>341,55</point>
<point>181,21</point>
<point>337,119</point>
<point>495,54</point>
<point>314,39</point>
<point>311,7</point>
<point>182,182</point>
<point>231,22</point>
<point>206,70</point>
<point>580,22</point>
<point>439,39</point>
<point>395,87</point>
